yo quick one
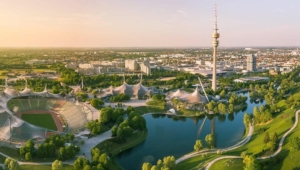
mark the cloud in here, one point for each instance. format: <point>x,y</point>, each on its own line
<point>182,12</point>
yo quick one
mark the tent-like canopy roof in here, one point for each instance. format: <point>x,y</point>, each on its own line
<point>191,98</point>
<point>131,90</point>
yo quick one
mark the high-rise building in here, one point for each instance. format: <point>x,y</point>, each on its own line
<point>145,67</point>
<point>131,64</point>
<point>251,63</point>
<point>215,35</point>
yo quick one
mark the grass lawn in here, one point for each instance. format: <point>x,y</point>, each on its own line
<point>149,109</point>
<point>291,159</point>
<point>186,112</point>
<point>226,164</point>
<point>43,167</point>
<point>13,153</point>
<point>10,152</point>
<point>42,120</point>
<point>2,159</point>
<point>195,163</point>
<point>280,124</point>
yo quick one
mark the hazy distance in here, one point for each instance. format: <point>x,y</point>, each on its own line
<point>141,23</point>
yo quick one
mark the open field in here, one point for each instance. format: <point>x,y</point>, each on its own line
<point>42,120</point>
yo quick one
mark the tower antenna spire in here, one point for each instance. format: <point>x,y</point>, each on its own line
<point>216,17</point>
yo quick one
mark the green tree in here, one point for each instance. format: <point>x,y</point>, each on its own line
<point>28,156</point>
<point>62,153</point>
<point>223,93</point>
<point>231,108</point>
<point>275,137</point>
<point>272,145</point>
<point>87,167</point>
<point>160,164</point>
<point>222,108</point>
<point>154,167</point>
<point>267,138</point>
<point>256,113</point>
<point>114,131</point>
<point>11,164</point>
<point>169,162</point>
<point>104,160</point>
<point>211,105</point>
<point>57,165</point>
<point>105,115</point>
<point>244,154</point>
<point>198,145</point>
<point>146,166</point>
<point>247,119</point>
<point>80,163</point>
<point>210,141</point>
<point>251,163</point>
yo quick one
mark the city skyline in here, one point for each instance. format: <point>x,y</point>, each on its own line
<point>147,24</point>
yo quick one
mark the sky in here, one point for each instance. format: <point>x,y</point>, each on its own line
<point>148,23</point>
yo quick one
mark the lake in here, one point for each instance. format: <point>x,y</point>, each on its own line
<point>176,136</point>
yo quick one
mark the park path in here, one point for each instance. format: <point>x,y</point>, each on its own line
<point>264,157</point>
<point>90,143</point>
<point>237,145</point>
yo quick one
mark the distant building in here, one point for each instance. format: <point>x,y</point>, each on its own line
<point>251,79</point>
<point>251,63</point>
<point>130,64</point>
<point>145,67</point>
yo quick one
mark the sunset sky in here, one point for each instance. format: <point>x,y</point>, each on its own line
<point>148,23</point>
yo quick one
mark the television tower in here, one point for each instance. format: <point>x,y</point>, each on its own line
<point>215,35</point>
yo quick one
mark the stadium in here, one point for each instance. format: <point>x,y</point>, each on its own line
<point>36,115</point>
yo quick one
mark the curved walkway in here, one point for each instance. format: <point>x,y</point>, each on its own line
<point>237,145</point>
<point>264,157</point>
<point>90,143</point>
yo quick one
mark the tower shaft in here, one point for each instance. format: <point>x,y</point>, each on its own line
<point>215,35</point>
<point>214,78</point>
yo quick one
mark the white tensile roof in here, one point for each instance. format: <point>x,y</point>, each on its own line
<point>179,93</point>
<point>131,90</point>
<point>11,92</point>
<point>191,98</point>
